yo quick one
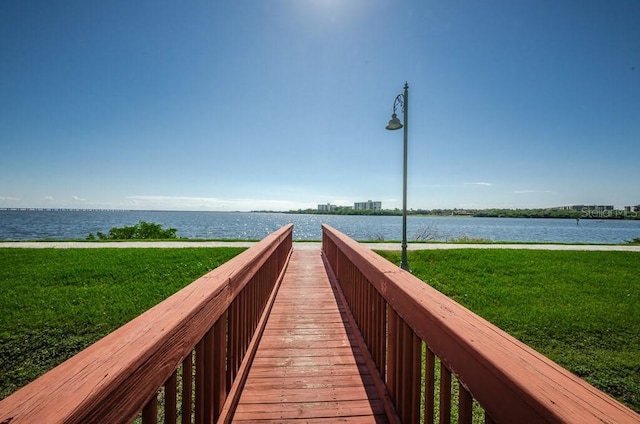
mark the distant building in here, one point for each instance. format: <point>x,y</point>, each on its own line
<point>368,206</point>
<point>571,208</point>
<point>327,208</point>
<point>597,208</point>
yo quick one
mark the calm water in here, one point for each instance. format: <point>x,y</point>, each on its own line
<point>57,225</point>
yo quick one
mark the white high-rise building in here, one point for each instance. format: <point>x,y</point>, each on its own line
<point>368,206</point>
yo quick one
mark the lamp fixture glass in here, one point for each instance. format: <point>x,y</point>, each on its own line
<point>394,123</point>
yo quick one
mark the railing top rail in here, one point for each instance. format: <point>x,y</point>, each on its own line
<point>104,382</point>
<point>513,382</point>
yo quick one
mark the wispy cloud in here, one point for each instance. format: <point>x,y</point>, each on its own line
<point>479,183</point>
<point>78,199</point>
<point>211,203</point>
<point>8,198</point>
<point>532,191</point>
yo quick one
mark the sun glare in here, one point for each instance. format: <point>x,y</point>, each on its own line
<point>329,11</point>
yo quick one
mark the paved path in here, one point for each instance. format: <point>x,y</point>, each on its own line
<point>310,245</point>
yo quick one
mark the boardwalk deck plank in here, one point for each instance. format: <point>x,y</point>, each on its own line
<point>308,366</point>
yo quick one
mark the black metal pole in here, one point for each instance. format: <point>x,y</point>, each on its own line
<point>404,264</point>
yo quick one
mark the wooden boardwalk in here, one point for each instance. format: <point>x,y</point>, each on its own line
<point>308,366</point>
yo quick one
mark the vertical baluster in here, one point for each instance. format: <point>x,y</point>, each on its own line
<point>429,389</point>
<point>150,411</point>
<point>233,343</point>
<point>382,344</point>
<point>416,377</point>
<point>252,289</point>
<point>187,388</point>
<point>445,394</point>
<point>200,381</point>
<point>354,289</point>
<point>244,321</point>
<point>361,300</point>
<point>376,330</point>
<point>355,305</point>
<point>371,318</point>
<point>254,298</point>
<point>339,273</point>
<point>375,334</point>
<point>409,397</point>
<point>207,387</point>
<point>219,361</point>
<point>391,354</point>
<point>237,338</point>
<point>346,282</point>
<point>366,324</point>
<point>229,345</point>
<point>260,278</point>
<point>171,399</point>
<point>239,324</point>
<point>465,405</point>
<point>404,396</point>
<point>354,286</point>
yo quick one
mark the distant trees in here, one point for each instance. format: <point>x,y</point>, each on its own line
<point>140,231</point>
<point>527,213</point>
<point>492,213</point>
<point>347,211</point>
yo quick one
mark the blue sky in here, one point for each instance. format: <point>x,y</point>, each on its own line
<point>282,104</point>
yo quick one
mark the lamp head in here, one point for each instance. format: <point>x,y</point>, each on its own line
<point>394,123</point>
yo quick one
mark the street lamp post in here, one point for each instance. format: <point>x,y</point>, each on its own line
<point>402,100</point>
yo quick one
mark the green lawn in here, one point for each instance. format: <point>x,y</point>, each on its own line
<point>56,302</point>
<point>581,309</point>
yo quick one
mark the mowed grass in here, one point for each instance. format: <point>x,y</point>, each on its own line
<point>581,309</point>
<point>56,302</point>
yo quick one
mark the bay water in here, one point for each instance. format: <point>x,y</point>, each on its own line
<point>78,224</point>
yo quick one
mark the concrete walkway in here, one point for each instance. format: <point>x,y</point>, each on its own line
<point>308,245</point>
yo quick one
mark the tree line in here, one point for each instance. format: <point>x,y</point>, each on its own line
<point>490,213</point>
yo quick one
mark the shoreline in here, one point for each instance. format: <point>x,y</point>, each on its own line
<point>311,245</point>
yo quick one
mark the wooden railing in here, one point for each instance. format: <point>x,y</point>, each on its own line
<point>187,356</point>
<point>416,337</point>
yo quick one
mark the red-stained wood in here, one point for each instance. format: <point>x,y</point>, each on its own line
<point>219,365</point>
<point>445,394</point>
<point>150,411</point>
<point>511,381</point>
<point>229,406</point>
<point>171,399</point>
<point>465,406</point>
<point>308,366</point>
<point>429,386</point>
<point>113,379</point>
<point>187,388</point>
